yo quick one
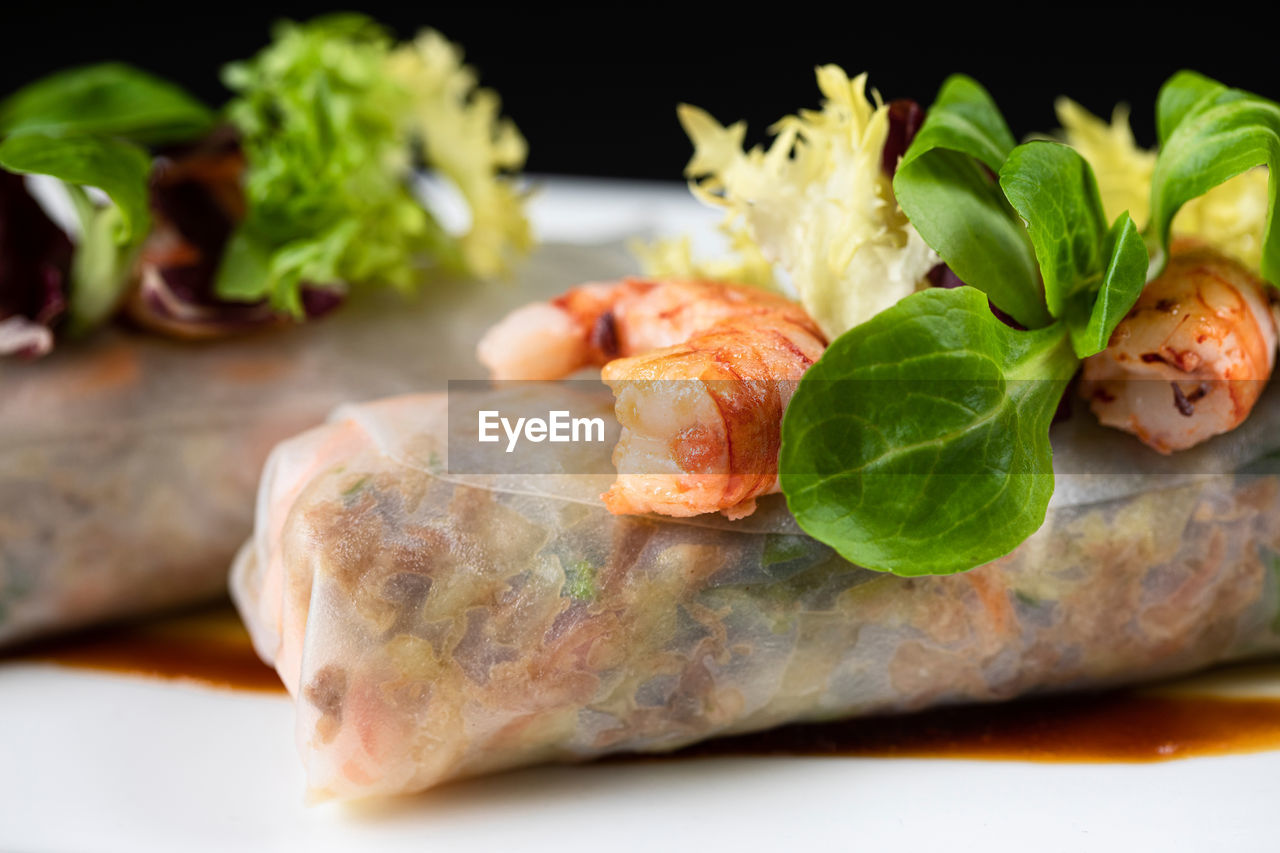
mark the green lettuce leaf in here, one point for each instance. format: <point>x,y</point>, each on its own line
<point>118,168</point>
<point>105,100</point>
<point>1178,97</point>
<point>1209,134</point>
<point>1091,321</point>
<point>1092,274</point>
<point>919,442</point>
<point>945,185</point>
<point>111,234</point>
<point>1054,190</point>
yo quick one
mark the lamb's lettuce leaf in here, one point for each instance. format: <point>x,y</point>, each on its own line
<point>111,99</point>
<point>86,128</point>
<point>111,234</point>
<point>1210,133</point>
<point>118,168</point>
<point>1054,190</point>
<point>1091,321</point>
<point>919,443</point>
<point>1178,97</point>
<point>1092,274</point>
<point>946,185</point>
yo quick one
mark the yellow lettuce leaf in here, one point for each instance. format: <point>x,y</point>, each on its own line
<point>813,214</point>
<point>466,140</point>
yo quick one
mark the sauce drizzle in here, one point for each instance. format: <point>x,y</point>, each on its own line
<point>207,646</point>
<point>211,647</point>
<point>1116,726</point>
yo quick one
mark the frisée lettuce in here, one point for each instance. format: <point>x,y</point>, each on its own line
<point>813,214</point>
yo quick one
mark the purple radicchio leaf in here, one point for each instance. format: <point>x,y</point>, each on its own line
<point>197,198</point>
<point>318,301</point>
<point>942,276</point>
<point>905,118</point>
<point>35,260</point>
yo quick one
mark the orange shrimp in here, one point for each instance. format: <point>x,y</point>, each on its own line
<point>702,373</point>
<point>1191,358</point>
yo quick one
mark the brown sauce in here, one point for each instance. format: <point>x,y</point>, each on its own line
<point>211,647</point>
<point>207,646</point>
<point>1122,725</point>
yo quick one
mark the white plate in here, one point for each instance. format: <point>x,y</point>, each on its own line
<point>99,762</point>
<point>91,761</point>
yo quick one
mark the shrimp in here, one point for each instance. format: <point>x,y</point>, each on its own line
<point>701,373</point>
<point>1191,358</point>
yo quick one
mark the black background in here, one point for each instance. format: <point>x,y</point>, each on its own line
<point>593,87</point>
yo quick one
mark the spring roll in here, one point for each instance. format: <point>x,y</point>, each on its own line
<point>433,625</point>
<point>128,464</point>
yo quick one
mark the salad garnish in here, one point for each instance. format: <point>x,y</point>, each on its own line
<point>1230,216</point>
<point>1209,134</point>
<point>327,128</point>
<point>947,465</point>
<point>332,116</point>
<point>88,128</point>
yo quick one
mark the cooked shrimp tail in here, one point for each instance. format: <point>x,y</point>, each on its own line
<point>1191,358</point>
<point>702,373</point>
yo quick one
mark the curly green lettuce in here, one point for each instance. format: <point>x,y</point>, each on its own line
<point>331,115</point>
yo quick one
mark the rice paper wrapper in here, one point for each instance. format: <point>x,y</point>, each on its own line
<point>128,464</point>
<point>432,626</point>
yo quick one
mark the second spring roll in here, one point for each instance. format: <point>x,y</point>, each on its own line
<point>128,464</point>
<point>432,626</point>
